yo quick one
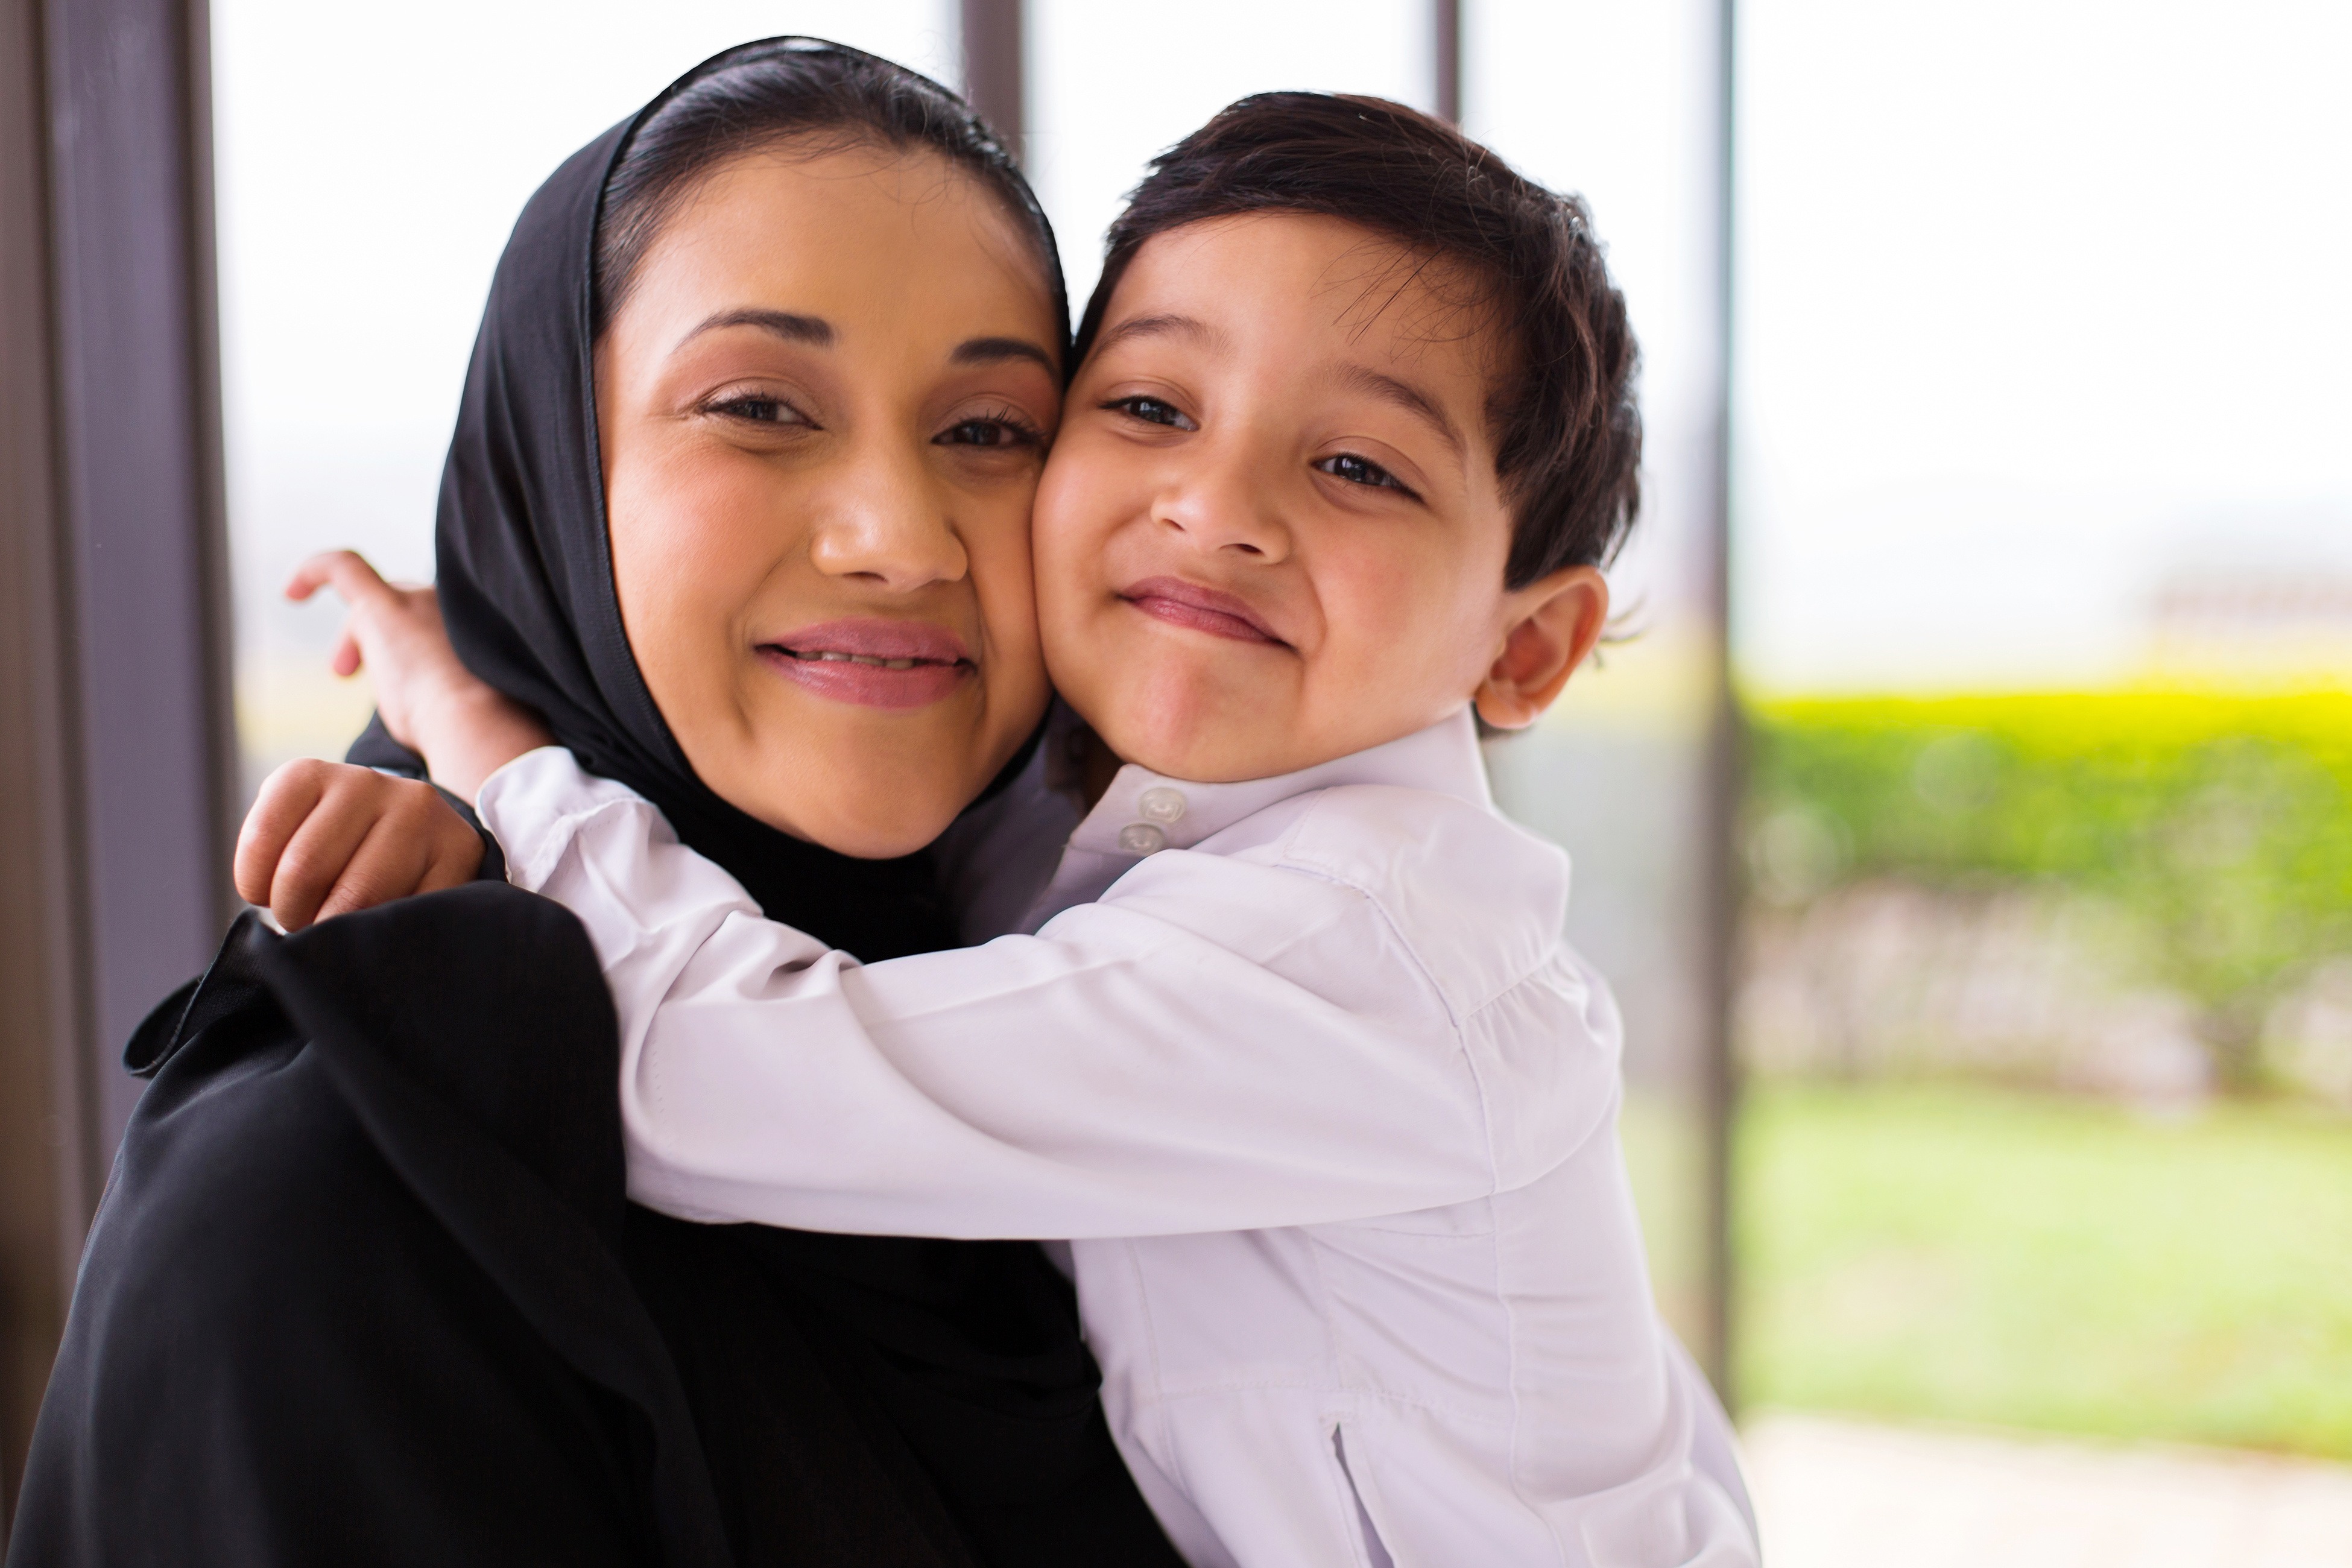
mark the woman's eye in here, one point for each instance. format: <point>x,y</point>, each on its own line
<point>759,410</point>
<point>1152,411</point>
<point>994,432</point>
<point>1362,471</point>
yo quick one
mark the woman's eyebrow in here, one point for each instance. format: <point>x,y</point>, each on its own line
<point>813,331</point>
<point>995,350</point>
<point>1406,396</point>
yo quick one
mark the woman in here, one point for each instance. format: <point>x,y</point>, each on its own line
<point>771,364</point>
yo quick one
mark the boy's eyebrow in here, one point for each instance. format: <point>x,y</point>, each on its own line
<point>995,350</point>
<point>1406,396</point>
<point>813,331</point>
<point>1161,326</point>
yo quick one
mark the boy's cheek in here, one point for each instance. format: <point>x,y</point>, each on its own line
<point>1076,646</point>
<point>1057,529</point>
<point>1070,571</point>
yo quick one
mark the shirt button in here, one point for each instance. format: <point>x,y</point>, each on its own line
<point>1162,804</point>
<point>1141,838</point>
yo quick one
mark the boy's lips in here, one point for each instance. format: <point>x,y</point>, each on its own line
<point>1183,603</point>
<point>872,662</point>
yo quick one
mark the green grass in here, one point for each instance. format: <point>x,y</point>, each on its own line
<point>1973,1253</point>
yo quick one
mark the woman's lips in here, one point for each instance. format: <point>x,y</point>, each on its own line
<point>1183,603</point>
<point>873,663</point>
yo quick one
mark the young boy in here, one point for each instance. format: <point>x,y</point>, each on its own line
<point>1295,1054</point>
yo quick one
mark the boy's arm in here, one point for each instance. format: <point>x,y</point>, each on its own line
<point>426,699</point>
<point>1161,1061</point>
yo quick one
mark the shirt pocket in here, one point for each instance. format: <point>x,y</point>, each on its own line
<point>1415,1306</point>
<point>1475,1218</point>
<point>1375,1552</point>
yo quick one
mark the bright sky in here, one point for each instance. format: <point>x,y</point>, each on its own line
<point>2039,301</point>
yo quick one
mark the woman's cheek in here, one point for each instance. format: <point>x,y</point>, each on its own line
<point>681,577</point>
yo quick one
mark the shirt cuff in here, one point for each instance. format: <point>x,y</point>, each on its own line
<point>536,805</point>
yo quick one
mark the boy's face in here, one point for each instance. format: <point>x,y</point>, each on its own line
<point>1270,532</point>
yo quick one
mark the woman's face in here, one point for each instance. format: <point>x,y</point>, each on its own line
<point>824,405</point>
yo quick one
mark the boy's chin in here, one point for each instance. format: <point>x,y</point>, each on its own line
<point>1215,748</point>
<point>1231,737</point>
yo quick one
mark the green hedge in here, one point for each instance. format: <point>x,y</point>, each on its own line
<point>2222,825</point>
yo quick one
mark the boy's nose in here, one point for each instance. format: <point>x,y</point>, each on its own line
<point>885,520</point>
<point>1224,502</point>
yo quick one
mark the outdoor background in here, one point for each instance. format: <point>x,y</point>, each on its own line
<point>2042,614</point>
<point>2044,517</point>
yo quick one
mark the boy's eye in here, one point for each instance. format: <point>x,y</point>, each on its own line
<point>995,430</point>
<point>1152,411</point>
<point>1362,471</point>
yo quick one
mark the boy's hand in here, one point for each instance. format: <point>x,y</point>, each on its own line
<point>327,838</point>
<point>463,728</point>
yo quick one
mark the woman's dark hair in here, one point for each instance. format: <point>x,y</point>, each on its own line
<point>824,96</point>
<point>1566,427</point>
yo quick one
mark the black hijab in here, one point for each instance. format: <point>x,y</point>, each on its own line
<point>526,580</point>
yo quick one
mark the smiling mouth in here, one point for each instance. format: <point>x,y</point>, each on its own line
<point>873,663</point>
<point>831,655</point>
<point>1200,609</point>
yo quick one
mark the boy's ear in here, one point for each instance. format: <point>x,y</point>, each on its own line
<point>1554,624</point>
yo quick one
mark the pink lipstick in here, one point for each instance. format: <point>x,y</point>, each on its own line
<point>1183,603</point>
<point>873,663</point>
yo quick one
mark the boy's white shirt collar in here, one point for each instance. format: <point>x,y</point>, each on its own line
<point>1184,812</point>
<point>1444,758</point>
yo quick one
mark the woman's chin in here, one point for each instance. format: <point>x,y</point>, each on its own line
<point>885,841</point>
<point>877,822</point>
<point>868,781</point>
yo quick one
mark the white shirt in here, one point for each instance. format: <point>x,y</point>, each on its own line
<point>1305,1070</point>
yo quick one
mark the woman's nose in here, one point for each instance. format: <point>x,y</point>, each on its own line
<point>889,523</point>
<point>1226,500</point>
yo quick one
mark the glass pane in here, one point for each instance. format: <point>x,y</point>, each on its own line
<point>1615,99</point>
<point>1104,94</point>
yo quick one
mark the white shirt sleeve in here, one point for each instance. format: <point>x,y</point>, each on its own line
<point>1181,1056</point>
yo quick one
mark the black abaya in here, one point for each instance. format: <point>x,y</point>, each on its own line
<point>354,1293</point>
<point>366,1287</point>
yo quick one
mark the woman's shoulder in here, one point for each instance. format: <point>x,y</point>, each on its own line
<point>483,1003</point>
<point>348,1295</point>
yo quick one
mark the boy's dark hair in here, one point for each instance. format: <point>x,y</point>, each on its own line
<point>794,89</point>
<point>1567,428</point>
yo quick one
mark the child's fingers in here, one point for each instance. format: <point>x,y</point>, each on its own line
<point>347,658</point>
<point>417,844</point>
<point>286,798</point>
<point>390,863</point>
<point>347,571</point>
<point>314,859</point>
